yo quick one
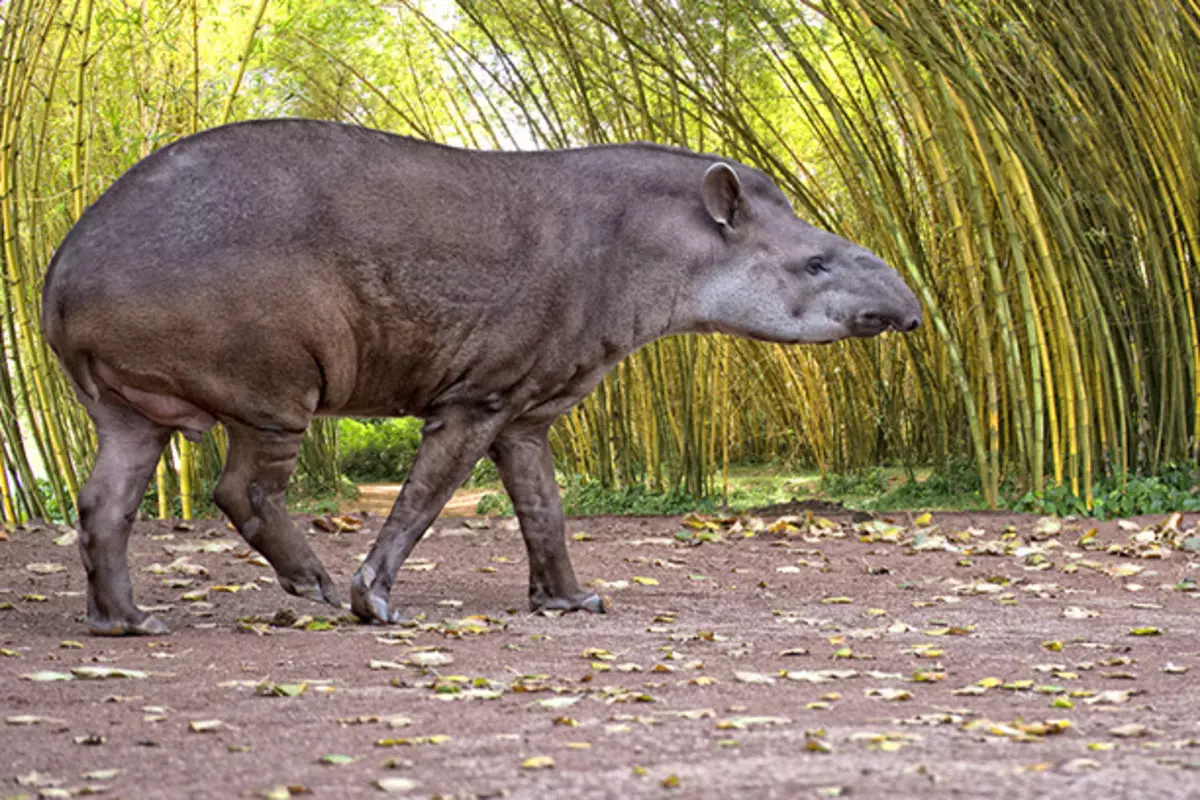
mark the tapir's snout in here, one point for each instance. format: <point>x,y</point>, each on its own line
<point>905,311</point>
<point>909,318</point>
<point>903,316</point>
<point>909,321</point>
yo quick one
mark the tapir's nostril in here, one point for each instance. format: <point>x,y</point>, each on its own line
<point>911,325</point>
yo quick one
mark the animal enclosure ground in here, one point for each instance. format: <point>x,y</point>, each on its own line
<point>980,655</point>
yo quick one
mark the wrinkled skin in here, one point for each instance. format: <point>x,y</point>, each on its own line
<point>262,273</point>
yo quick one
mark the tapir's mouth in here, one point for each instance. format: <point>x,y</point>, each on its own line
<point>872,324</point>
<point>867,325</point>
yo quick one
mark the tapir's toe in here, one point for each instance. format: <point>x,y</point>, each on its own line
<point>594,603</point>
<point>369,599</point>
<point>580,601</point>
<point>314,585</point>
<point>141,625</point>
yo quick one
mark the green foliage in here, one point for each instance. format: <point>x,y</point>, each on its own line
<point>316,504</point>
<point>53,511</point>
<point>854,484</point>
<point>383,451</point>
<point>494,504</point>
<point>1175,487</point>
<point>378,450</point>
<point>1029,167</point>
<point>483,474</point>
<point>202,502</point>
<point>957,487</point>
<point>582,499</point>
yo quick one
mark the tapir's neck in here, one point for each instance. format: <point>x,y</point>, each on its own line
<point>655,299</point>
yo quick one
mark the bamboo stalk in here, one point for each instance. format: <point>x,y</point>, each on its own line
<point>259,12</point>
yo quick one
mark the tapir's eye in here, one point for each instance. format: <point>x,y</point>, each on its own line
<point>815,266</point>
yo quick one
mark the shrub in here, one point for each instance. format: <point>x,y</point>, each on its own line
<point>494,504</point>
<point>375,450</point>
<point>854,484</point>
<point>591,499</point>
<point>1175,487</point>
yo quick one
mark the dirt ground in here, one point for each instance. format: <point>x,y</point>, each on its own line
<point>967,655</point>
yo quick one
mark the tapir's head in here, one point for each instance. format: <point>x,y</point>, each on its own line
<point>770,275</point>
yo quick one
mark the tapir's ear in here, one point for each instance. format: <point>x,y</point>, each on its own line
<point>723,195</point>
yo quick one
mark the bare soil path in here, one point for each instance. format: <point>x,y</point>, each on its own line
<point>377,498</point>
<point>980,656</point>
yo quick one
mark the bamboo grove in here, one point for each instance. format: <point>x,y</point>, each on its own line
<point>1032,168</point>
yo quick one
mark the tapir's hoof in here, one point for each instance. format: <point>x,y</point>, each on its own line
<point>369,601</point>
<point>142,625</point>
<point>582,601</point>
<point>318,588</point>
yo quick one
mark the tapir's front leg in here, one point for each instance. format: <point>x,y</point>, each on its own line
<point>522,456</point>
<point>453,440</point>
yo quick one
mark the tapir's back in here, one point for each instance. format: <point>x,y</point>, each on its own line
<point>298,252</point>
<point>288,188</point>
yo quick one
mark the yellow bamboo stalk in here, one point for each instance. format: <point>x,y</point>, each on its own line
<point>185,476</point>
<point>160,483</point>
<point>78,196</point>
<point>27,338</point>
<point>1051,406</point>
<point>195,66</point>
<point>260,11</point>
<point>10,511</point>
<point>1079,427</point>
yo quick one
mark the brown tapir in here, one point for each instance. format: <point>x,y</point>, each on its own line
<point>260,273</point>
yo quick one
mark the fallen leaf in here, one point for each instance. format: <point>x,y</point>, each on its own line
<point>101,673</point>
<point>102,774</point>
<point>538,762</point>
<point>753,677</point>
<point>435,739</point>
<point>1129,731</point>
<point>337,759</point>
<point>44,568</point>
<point>558,703</point>
<point>818,676</point>
<point>205,725</point>
<point>270,689</point>
<point>44,675</point>
<point>430,658</point>
<point>742,723</point>
<point>396,785</point>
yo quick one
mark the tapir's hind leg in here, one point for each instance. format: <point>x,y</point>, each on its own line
<point>523,458</point>
<point>251,492</point>
<point>129,447</point>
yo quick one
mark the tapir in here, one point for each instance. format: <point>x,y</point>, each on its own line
<point>260,273</point>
